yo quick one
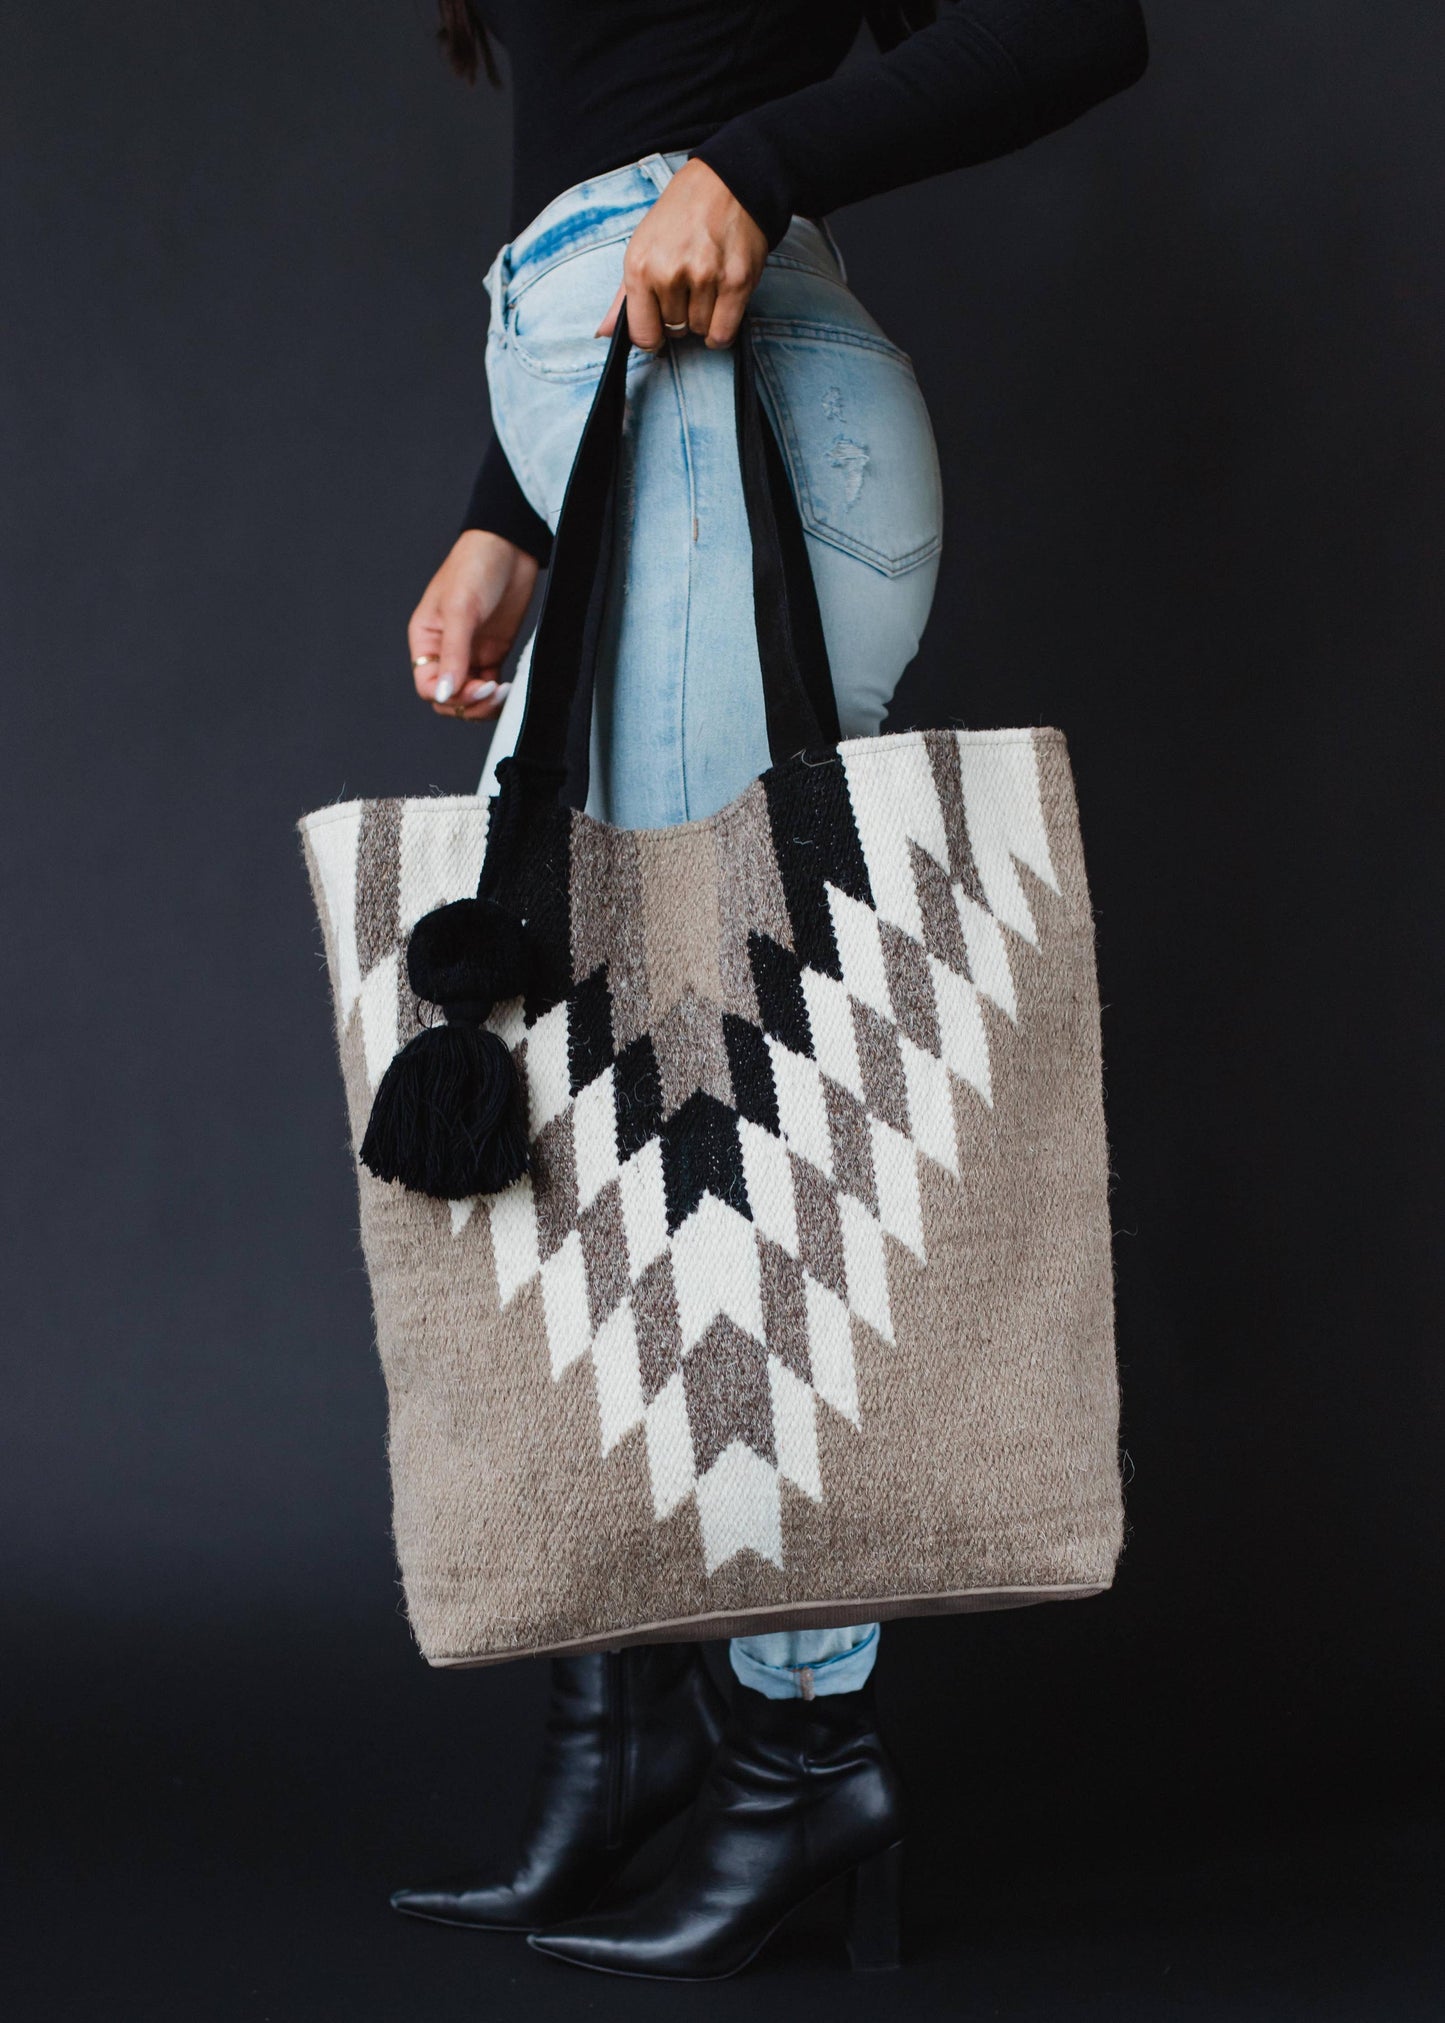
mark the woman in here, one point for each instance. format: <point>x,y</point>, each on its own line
<point>684,158</point>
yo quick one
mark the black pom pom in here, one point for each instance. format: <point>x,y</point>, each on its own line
<point>449,1118</point>
<point>470,952</point>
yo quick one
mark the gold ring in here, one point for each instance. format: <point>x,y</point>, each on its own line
<point>425,659</point>
<point>460,710</point>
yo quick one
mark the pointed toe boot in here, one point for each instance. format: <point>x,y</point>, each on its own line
<point>801,1792</point>
<point>628,1741</point>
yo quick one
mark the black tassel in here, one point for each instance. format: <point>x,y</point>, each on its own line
<point>471,951</point>
<point>449,1118</point>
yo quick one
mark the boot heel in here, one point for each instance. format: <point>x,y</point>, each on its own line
<point>875,1912</point>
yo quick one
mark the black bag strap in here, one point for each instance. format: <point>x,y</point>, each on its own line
<point>802,713</point>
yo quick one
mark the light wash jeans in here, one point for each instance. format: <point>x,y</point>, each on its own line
<point>679,728</point>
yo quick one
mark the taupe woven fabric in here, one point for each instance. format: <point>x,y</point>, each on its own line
<point>804,1313</point>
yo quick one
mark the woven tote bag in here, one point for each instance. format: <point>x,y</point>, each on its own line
<point>742,1257</point>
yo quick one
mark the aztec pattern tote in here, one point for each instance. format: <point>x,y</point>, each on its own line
<point>734,1195</point>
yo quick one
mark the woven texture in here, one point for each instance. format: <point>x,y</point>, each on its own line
<point>805,1310</point>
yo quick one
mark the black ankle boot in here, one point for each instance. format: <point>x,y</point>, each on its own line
<point>800,1792</point>
<point>629,1738</point>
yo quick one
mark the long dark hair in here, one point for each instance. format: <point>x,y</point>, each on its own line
<point>468,47</point>
<point>465,42</point>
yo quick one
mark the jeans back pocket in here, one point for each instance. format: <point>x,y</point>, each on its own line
<point>857,438</point>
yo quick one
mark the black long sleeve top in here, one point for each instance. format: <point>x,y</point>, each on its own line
<point>748,86</point>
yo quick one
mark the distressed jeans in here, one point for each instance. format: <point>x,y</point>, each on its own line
<point>679,727</point>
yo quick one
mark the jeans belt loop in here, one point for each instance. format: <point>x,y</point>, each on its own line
<point>657,169</point>
<point>496,279</point>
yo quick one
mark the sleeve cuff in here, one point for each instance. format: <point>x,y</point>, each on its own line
<point>741,156</point>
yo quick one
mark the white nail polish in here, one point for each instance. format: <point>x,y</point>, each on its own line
<point>443,689</point>
<point>482,690</point>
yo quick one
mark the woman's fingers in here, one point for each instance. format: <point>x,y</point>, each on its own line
<point>459,626</point>
<point>654,314</point>
<point>424,637</point>
<point>609,322</point>
<point>481,698</point>
<point>671,309</point>
<point>699,311</point>
<point>467,623</point>
<point>727,308</point>
<point>674,292</point>
<point>424,671</point>
<point>644,315</point>
<point>692,263</point>
<point>467,665</point>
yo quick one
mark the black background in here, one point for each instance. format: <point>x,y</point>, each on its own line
<point>1185,367</point>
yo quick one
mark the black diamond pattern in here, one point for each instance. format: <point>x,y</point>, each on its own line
<point>637,1089</point>
<point>701,1155</point>
<point>751,1067</point>
<point>815,840</point>
<point>778,982</point>
<point>589,1030</point>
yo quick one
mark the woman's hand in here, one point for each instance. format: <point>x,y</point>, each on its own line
<point>465,625</point>
<point>694,260</point>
